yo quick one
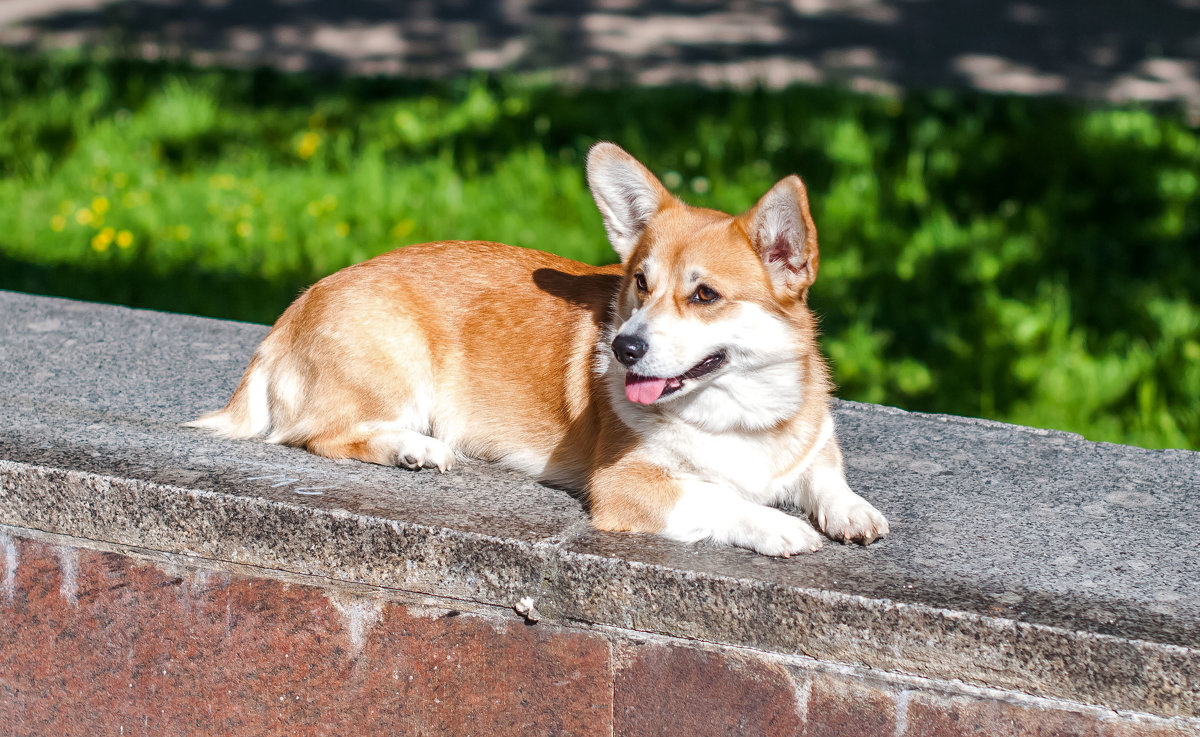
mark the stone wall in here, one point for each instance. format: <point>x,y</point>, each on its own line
<point>101,639</point>
<point>155,580</point>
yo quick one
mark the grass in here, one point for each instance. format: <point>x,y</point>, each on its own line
<point>1031,261</point>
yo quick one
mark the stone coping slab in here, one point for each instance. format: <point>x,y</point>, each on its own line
<point>1021,559</point>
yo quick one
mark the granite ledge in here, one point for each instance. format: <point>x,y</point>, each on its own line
<point>1021,559</point>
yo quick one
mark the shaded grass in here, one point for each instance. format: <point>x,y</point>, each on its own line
<point>1027,260</point>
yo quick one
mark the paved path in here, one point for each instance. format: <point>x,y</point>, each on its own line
<point>1097,49</point>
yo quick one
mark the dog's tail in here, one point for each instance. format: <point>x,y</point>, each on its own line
<point>248,413</point>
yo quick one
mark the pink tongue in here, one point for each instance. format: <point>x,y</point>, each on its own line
<point>643,390</point>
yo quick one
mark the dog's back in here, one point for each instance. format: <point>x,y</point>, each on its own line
<point>474,347</point>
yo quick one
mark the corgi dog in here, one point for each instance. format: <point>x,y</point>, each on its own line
<point>680,392</point>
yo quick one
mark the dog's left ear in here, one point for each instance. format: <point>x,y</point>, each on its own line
<point>781,229</point>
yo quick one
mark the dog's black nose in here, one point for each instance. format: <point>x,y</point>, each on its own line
<point>629,349</point>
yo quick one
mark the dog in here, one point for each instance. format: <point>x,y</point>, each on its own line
<point>680,392</point>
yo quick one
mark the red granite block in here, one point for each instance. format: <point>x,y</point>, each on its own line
<point>1129,727</point>
<point>841,707</point>
<point>938,715</point>
<point>668,690</point>
<point>99,644</point>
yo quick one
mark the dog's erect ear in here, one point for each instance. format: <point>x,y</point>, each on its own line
<point>626,192</point>
<point>781,229</point>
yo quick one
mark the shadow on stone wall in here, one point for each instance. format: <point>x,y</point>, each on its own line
<point>1098,49</point>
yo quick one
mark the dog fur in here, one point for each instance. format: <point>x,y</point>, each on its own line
<point>681,392</point>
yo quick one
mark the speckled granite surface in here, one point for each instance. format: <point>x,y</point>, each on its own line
<point>1018,558</point>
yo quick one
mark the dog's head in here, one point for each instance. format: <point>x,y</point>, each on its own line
<point>711,321</point>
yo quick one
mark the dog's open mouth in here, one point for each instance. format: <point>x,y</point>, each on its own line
<point>648,390</point>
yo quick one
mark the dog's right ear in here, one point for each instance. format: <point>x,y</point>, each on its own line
<point>626,192</point>
<point>781,229</point>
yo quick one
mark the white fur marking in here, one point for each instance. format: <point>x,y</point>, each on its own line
<point>258,408</point>
<point>839,512</point>
<point>707,511</point>
<point>823,436</point>
<point>286,388</point>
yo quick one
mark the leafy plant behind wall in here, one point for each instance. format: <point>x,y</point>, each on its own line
<point>1027,260</point>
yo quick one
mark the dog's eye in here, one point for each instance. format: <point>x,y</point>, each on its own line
<point>705,295</point>
<point>640,281</point>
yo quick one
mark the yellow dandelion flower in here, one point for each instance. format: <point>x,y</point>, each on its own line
<point>100,205</point>
<point>182,232</point>
<point>84,216</point>
<point>309,143</point>
<point>244,229</point>
<point>124,239</point>
<point>57,223</point>
<point>342,229</point>
<point>102,240</point>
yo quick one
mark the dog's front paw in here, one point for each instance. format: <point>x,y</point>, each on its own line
<point>776,533</point>
<point>852,520</point>
<point>415,451</point>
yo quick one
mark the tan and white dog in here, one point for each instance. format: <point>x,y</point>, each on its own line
<point>682,392</point>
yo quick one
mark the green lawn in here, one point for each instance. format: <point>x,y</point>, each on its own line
<point>1027,260</point>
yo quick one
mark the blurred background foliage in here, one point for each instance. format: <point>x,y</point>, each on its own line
<point>1034,261</point>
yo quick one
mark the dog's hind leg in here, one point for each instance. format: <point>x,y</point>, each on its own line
<point>384,443</point>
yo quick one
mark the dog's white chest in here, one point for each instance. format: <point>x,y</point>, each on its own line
<point>761,468</point>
